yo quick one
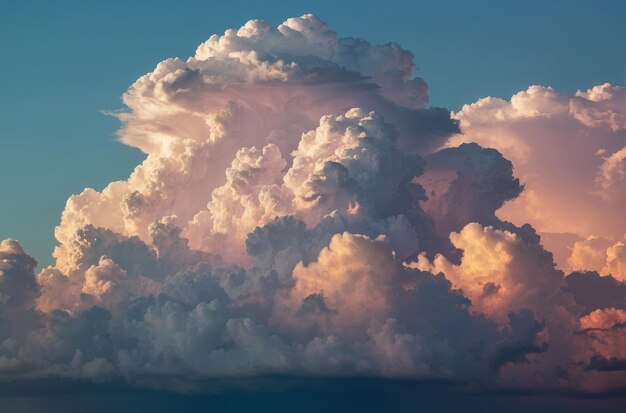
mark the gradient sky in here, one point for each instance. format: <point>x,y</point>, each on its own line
<point>65,62</point>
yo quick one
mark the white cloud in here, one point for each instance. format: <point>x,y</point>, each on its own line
<point>290,178</point>
<point>567,150</point>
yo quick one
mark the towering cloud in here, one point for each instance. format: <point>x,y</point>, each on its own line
<point>569,151</point>
<point>296,215</point>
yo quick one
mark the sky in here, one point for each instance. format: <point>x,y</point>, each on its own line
<point>67,62</point>
<point>407,206</point>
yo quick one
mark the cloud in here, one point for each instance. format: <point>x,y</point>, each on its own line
<point>301,211</point>
<point>573,142</point>
<point>600,254</point>
<point>501,273</point>
<point>466,184</point>
<point>593,291</point>
<point>18,291</point>
<point>603,352</point>
<point>616,261</point>
<point>18,287</point>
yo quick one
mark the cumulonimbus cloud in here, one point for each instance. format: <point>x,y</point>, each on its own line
<point>569,150</point>
<point>296,215</point>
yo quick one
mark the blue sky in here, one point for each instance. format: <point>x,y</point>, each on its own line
<point>64,62</point>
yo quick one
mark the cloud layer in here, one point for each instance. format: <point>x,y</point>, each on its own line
<point>302,211</point>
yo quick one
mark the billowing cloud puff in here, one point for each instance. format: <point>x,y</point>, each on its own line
<point>595,253</point>
<point>349,164</point>
<point>466,184</point>
<point>574,143</point>
<point>353,278</point>
<point>501,273</point>
<point>612,176</point>
<point>616,261</point>
<point>294,216</point>
<point>18,291</point>
<point>18,287</point>
<point>603,352</point>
